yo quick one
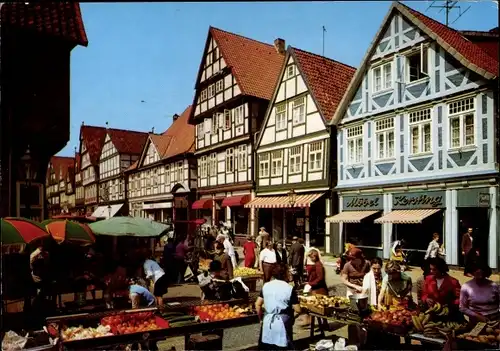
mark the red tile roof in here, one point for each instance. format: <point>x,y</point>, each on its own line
<point>255,65</point>
<point>127,141</point>
<point>470,51</point>
<point>326,79</point>
<point>60,19</point>
<point>60,163</point>
<point>93,139</point>
<point>488,41</point>
<point>178,139</point>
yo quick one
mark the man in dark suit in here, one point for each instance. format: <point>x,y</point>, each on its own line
<point>468,252</point>
<point>296,261</point>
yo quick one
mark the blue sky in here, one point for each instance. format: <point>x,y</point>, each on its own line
<point>152,51</point>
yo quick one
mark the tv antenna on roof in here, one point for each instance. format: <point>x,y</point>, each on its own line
<point>447,7</point>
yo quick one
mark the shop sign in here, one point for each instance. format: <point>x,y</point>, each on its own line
<point>157,205</point>
<point>433,199</point>
<point>368,202</point>
<point>484,200</point>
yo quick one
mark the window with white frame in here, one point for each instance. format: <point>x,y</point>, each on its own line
<point>461,114</point>
<point>382,77</point>
<point>167,174</point>
<point>242,157</point>
<point>299,110</point>
<point>199,130</point>
<point>281,116</point>
<point>207,126</point>
<point>355,144</point>
<point>219,86</point>
<point>276,163</point>
<point>264,165</point>
<point>220,119</point>
<point>203,166</point>
<point>227,119</point>
<point>180,171</point>
<point>229,160</point>
<point>290,71</point>
<point>384,132</point>
<point>295,160</point>
<point>211,90</point>
<point>420,131</point>
<point>316,156</point>
<point>203,95</point>
<point>213,164</point>
<point>239,115</point>
<point>417,64</point>
<point>214,124</point>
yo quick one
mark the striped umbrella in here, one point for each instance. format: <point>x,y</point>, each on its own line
<point>64,230</point>
<point>21,231</point>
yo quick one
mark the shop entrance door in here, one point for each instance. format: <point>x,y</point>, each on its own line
<point>478,219</point>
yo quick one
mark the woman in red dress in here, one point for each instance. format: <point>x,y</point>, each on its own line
<point>249,252</point>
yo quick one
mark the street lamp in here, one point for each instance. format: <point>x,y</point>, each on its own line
<point>109,211</point>
<point>292,198</point>
<point>28,173</point>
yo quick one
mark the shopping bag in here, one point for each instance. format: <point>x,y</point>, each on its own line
<point>188,274</point>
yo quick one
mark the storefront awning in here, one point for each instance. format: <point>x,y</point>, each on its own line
<point>407,216</point>
<point>302,200</point>
<point>349,216</point>
<point>234,201</point>
<point>202,204</point>
<point>107,211</point>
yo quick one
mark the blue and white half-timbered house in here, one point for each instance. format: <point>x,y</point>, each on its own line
<point>417,135</point>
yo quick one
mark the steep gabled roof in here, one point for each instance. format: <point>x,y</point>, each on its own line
<point>93,138</point>
<point>127,141</point>
<point>61,164</point>
<point>457,45</point>
<point>178,139</point>
<point>58,19</point>
<point>326,79</point>
<point>254,64</point>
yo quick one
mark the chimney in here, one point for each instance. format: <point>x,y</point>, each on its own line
<point>279,45</point>
<point>175,117</point>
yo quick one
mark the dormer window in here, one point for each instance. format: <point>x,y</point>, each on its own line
<point>417,65</point>
<point>290,71</point>
<point>382,77</point>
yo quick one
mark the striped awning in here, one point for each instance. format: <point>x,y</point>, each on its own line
<point>302,200</point>
<point>407,216</point>
<point>349,216</point>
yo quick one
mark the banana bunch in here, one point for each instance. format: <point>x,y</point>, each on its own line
<point>431,329</point>
<point>438,310</point>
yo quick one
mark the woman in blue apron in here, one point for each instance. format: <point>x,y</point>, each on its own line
<point>277,320</point>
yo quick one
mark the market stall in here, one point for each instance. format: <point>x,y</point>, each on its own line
<point>249,276</point>
<point>147,326</point>
<point>435,328</point>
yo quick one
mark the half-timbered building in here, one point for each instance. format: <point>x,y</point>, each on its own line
<point>418,139</point>
<point>55,184</point>
<point>162,182</point>
<point>68,192</point>
<point>79,189</point>
<point>120,150</point>
<point>293,150</point>
<point>235,82</point>
<point>91,142</point>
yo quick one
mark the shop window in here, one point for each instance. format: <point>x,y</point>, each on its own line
<point>355,144</point>
<point>384,130</point>
<point>316,156</point>
<point>277,163</point>
<point>295,160</point>
<point>461,116</point>
<point>264,165</point>
<point>365,234</point>
<point>420,130</point>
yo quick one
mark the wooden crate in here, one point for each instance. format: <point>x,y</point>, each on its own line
<point>322,310</point>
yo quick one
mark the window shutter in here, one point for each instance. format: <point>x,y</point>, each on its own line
<point>423,59</point>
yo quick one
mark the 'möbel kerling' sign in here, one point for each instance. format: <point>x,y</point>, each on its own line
<point>368,202</point>
<point>431,199</point>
